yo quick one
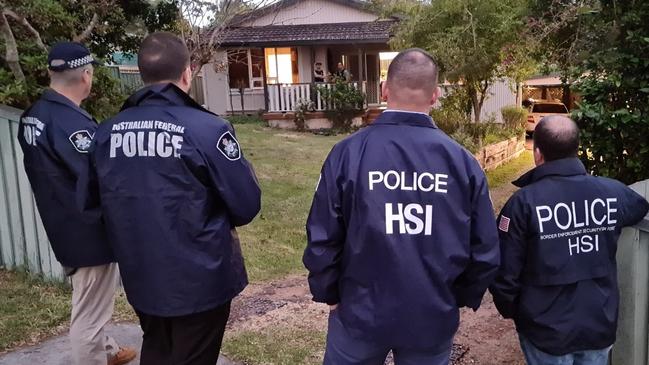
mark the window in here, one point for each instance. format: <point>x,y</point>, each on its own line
<point>245,68</point>
<point>281,66</point>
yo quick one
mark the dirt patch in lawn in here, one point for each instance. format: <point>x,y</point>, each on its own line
<point>483,338</point>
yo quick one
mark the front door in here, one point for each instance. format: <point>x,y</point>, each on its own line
<point>373,79</point>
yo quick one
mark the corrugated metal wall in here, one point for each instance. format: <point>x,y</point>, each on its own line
<point>23,242</point>
<point>131,81</point>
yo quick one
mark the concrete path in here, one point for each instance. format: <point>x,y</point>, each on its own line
<point>56,351</point>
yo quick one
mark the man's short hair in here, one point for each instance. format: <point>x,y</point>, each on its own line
<point>163,56</point>
<point>556,137</point>
<point>413,69</point>
<point>69,77</point>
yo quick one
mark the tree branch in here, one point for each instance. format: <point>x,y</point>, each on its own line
<point>88,31</point>
<point>11,49</point>
<point>22,20</point>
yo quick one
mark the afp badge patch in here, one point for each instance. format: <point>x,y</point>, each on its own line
<point>81,140</point>
<point>229,146</point>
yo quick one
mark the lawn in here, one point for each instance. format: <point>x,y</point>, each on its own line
<point>287,165</point>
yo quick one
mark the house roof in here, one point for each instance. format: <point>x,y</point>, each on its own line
<point>283,4</point>
<point>308,34</point>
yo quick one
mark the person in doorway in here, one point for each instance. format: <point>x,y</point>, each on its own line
<point>401,232</point>
<point>55,135</point>
<point>318,73</point>
<point>558,237</point>
<point>341,73</point>
<point>174,184</point>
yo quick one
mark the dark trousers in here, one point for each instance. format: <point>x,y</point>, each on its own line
<point>193,339</point>
<point>343,349</point>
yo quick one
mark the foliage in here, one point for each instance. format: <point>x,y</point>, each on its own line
<point>105,26</point>
<point>514,117</point>
<point>473,42</point>
<point>454,110</point>
<point>303,106</point>
<point>603,46</point>
<point>344,101</point>
<point>453,117</point>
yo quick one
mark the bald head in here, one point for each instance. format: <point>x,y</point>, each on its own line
<point>412,74</point>
<point>556,137</point>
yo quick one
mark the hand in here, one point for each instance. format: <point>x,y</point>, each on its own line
<point>333,307</point>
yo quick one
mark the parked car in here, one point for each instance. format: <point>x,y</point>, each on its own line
<point>539,109</point>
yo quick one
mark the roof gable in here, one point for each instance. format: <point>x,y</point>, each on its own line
<point>296,12</point>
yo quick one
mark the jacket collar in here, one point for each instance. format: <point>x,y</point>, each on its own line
<point>396,117</point>
<point>55,97</point>
<point>563,167</point>
<point>162,94</point>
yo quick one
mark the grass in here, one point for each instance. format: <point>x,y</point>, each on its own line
<point>278,345</point>
<point>287,165</point>
<point>30,308</point>
<point>508,172</point>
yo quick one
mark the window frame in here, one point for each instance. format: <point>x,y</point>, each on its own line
<point>251,79</point>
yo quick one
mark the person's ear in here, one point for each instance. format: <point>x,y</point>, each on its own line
<point>87,77</point>
<point>538,157</point>
<point>384,91</point>
<point>186,79</point>
<point>436,94</point>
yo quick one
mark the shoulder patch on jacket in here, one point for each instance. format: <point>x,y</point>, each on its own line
<point>81,140</point>
<point>229,146</point>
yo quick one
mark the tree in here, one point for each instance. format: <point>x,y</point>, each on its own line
<point>473,42</point>
<point>603,46</point>
<point>28,27</point>
<point>205,25</point>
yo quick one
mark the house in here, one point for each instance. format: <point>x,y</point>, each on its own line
<point>271,54</point>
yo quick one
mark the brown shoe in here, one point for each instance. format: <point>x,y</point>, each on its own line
<point>124,356</point>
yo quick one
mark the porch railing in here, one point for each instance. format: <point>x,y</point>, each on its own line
<point>286,97</point>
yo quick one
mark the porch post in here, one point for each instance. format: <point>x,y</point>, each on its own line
<point>360,67</point>
<point>263,80</point>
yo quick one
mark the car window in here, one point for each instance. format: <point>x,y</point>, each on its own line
<point>549,108</point>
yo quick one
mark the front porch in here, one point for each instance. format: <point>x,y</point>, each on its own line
<point>271,68</point>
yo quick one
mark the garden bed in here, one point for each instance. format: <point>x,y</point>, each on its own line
<point>312,120</point>
<point>496,154</point>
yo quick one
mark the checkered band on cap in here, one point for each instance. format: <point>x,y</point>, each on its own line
<point>81,61</point>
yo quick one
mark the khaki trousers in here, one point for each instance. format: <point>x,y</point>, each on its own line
<point>93,301</point>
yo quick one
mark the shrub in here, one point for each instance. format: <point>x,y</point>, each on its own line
<point>346,102</point>
<point>453,112</point>
<point>302,107</point>
<point>514,116</point>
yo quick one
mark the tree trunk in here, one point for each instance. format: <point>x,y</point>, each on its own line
<point>475,101</point>
<point>11,53</point>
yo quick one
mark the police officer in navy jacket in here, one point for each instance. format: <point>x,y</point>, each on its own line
<point>174,184</point>
<point>558,237</point>
<point>401,233</point>
<point>55,134</point>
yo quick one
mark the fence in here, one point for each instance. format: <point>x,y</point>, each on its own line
<point>286,97</point>
<point>130,80</point>
<point>632,345</point>
<point>23,242</point>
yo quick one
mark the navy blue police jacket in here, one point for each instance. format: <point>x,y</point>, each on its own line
<point>558,236</point>
<point>55,135</point>
<point>401,233</point>
<point>174,184</point>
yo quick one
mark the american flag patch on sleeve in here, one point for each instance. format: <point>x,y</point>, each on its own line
<point>504,223</point>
